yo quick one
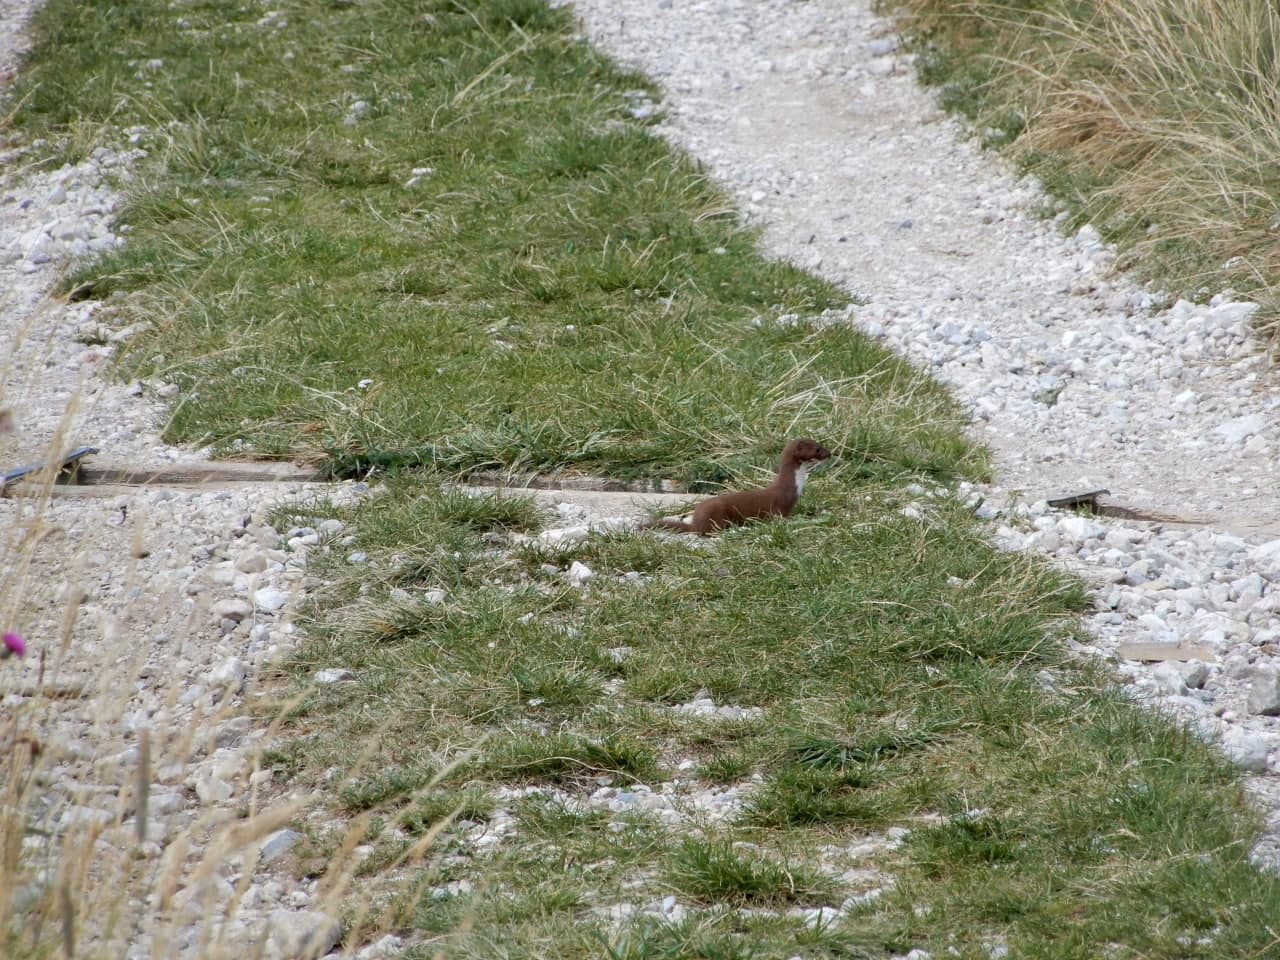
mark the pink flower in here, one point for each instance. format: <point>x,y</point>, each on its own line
<point>14,644</point>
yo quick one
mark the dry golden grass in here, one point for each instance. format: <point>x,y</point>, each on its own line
<point>1161,118</point>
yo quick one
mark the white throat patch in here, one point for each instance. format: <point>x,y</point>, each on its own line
<point>802,473</point>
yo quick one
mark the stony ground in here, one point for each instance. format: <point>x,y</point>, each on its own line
<point>808,112</point>
<point>1078,377</point>
<point>146,609</point>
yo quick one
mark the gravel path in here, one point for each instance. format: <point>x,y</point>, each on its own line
<point>807,112</point>
<point>1078,378</point>
<point>145,609</point>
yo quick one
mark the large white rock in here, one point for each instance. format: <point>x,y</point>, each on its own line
<point>578,573</point>
<point>1246,750</point>
<point>269,599</point>
<point>1240,429</point>
<point>1264,692</point>
<point>1081,528</point>
<point>301,934</point>
<point>232,608</point>
<point>229,675</point>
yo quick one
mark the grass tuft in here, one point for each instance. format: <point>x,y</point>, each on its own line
<point>718,871</point>
<point>449,805</point>
<point>377,789</point>
<point>567,758</point>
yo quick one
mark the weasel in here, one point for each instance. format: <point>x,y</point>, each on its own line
<point>778,499</point>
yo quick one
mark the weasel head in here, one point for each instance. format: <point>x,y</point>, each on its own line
<point>802,452</point>
<point>803,455</point>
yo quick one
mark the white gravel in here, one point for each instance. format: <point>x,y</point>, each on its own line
<point>806,111</point>
<point>147,610</point>
<point>1079,378</point>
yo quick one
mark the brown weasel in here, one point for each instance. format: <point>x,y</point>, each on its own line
<point>778,499</point>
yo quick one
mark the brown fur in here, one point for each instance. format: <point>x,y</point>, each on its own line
<point>778,499</point>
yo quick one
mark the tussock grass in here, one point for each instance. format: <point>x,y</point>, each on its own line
<point>715,871</point>
<point>567,758</point>
<point>1155,120</point>
<point>430,809</point>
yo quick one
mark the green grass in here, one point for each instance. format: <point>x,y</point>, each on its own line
<point>897,663</point>
<point>715,871</point>
<point>560,292</point>
<point>1155,121</point>
<point>432,808</point>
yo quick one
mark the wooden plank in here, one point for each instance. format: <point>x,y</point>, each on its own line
<point>51,691</point>
<point>1160,652</point>
<point>113,480</point>
<point>61,467</point>
<point>1088,499</point>
<point>74,491</point>
<point>539,481</point>
<point>193,474</point>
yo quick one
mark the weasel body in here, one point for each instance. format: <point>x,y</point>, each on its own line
<point>778,499</point>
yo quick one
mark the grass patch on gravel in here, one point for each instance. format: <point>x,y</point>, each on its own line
<point>392,232</point>
<point>907,723</point>
<point>898,754</point>
<point>1156,121</point>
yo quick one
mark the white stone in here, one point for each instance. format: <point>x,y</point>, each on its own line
<point>331,675</point>
<point>1194,672</point>
<point>818,918</point>
<point>270,599</point>
<point>301,934</point>
<point>1239,429</point>
<point>384,948</point>
<point>1169,679</point>
<point>229,675</point>
<point>1233,313</point>
<point>82,816</point>
<point>278,844</point>
<point>251,561</point>
<point>1246,750</point>
<point>1267,553</point>
<point>1081,529</point>
<point>232,731</point>
<point>232,608</point>
<point>1264,692</point>
<point>162,801</point>
<point>578,573</point>
<point>211,790</point>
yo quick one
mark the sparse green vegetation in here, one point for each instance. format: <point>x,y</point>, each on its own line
<point>1154,120</point>
<point>897,663</point>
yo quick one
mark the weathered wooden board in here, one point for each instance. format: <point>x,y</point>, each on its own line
<point>194,474</point>
<point>1160,652</point>
<point>554,482</point>
<point>63,467</point>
